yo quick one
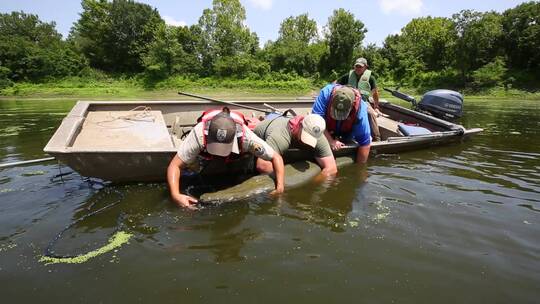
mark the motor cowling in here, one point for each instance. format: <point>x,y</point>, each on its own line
<point>445,104</point>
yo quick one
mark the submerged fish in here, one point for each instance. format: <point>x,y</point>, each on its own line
<point>296,174</point>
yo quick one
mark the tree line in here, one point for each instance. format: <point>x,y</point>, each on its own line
<point>125,38</point>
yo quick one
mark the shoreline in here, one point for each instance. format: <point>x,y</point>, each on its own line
<point>235,89</point>
<point>227,95</point>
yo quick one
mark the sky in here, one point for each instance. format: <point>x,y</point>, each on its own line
<point>380,17</point>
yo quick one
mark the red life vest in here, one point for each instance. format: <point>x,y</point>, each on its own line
<point>347,124</point>
<point>240,122</point>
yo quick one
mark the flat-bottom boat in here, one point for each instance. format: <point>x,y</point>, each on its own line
<point>132,141</point>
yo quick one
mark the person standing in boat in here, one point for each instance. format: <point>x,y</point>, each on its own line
<point>220,135</point>
<point>361,78</point>
<point>301,132</point>
<point>346,118</point>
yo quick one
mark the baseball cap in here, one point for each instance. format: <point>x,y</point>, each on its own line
<point>221,139</point>
<point>341,103</point>
<point>361,62</point>
<point>313,127</point>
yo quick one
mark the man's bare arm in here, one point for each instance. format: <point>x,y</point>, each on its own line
<point>362,154</point>
<point>174,172</point>
<point>375,94</point>
<point>328,165</point>
<point>279,170</point>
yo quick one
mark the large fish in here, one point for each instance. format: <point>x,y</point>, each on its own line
<point>296,174</point>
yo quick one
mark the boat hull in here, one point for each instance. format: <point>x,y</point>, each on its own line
<point>126,153</point>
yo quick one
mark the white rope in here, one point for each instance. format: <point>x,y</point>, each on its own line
<point>143,115</point>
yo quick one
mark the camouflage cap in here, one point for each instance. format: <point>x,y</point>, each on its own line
<point>361,62</point>
<point>341,103</point>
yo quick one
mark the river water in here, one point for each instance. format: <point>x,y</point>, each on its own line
<point>453,224</point>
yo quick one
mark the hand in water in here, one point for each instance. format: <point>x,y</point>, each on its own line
<point>185,201</point>
<point>277,191</point>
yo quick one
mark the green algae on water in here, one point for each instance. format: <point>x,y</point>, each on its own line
<point>7,246</point>
<point>383,212</point>
<point>117,240</point>
<point>353,224</point>
<point>34,173</point>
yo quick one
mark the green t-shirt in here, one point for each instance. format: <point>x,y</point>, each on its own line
<point>278,136</point>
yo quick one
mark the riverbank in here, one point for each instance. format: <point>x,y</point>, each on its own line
<point>137,88</point>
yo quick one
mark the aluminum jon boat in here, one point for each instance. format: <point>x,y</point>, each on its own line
<point>132,141</point>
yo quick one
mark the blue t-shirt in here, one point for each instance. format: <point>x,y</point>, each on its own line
<point>361,133</point>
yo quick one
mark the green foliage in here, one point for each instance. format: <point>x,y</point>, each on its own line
<point>522,36</point>
<point>430,40</point>
<point>271,82</point>
<point>491,75</point>
<point>297,48</point>
<point>298,29</point>
<point>120,46</point>
<point>445,79</point>
<point>343,34</point>
<point>115,36</point>
<point>223,34</point>
<point>480,36</point>
<point>32,50</point>
<point>4,78</point>
<point>423,51</point>
<point>169,54</point>
<point>241,66</point>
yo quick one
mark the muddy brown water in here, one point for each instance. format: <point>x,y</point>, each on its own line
<point>452,224</point>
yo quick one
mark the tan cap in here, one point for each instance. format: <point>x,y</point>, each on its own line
<point>313,127</point>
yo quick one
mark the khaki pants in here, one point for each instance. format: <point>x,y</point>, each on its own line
<point>372,115</point>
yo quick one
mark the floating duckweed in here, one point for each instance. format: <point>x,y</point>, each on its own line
<point>381,216</point>
<point>6,247</point>
<point>33,173</point>
<point>117,240</point>
<point>384,211</point>
<point>6,190</point>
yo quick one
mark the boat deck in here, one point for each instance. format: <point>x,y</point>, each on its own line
<point>121,130</point>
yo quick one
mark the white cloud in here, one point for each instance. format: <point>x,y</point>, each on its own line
<point>262,4</point>
<point>320,30</point>
<point>402,7</point>
<point>171,21</point>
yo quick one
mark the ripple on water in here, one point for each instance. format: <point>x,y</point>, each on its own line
<point>11,131</point>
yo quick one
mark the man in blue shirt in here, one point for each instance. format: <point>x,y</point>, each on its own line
<point>346,118</point>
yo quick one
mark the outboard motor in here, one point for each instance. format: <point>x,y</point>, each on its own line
<point>444,104</point>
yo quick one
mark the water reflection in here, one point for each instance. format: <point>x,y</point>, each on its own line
<point>226,236</point>
<point>328,204</point>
